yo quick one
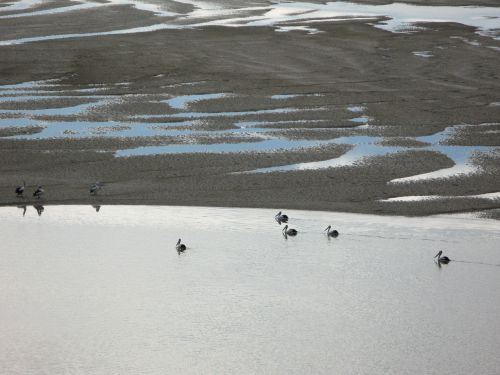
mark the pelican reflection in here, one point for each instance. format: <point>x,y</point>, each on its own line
<point>39,209</point>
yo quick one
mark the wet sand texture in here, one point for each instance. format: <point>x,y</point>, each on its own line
<point>349,63</point>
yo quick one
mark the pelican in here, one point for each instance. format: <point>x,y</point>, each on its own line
<point>180,246</point>
<point>331,233</point>
<point>39,209</point>
<point>440,259</point>
<point>281,218</point>
<point>289,232</point>
<point>20,190</point>
<point>97,207</point>
<point>38,192</point>
<point>95,187</point>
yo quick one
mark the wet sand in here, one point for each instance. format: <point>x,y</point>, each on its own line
<point>348,63</point>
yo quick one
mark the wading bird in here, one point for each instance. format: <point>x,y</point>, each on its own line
<point>20,190</point>
<point>289,232</point>
<point>331,233</point>
<point>95,187</point>
<point>38,192</point>
<point>440,259</point>
<point>180,247</point>
<point>281,218</point>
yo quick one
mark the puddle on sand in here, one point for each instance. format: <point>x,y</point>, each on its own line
<point>268,145</point>
<point>424,54</point>
<point>365,147</point>
<point>356,108</point>
<point>419,198</point>
<point>182,102</point>
<point>395,17</point>
<point>229,114</point>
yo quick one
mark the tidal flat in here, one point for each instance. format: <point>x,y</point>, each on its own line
<point>344,105</point>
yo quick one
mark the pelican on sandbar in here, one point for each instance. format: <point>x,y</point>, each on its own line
<point>95,187</point>
<point>20,189</point>
<point>39,192</point>
<point>180,247</point>
<point>281,218</point>
<point>440,259</point>
<point>289,232</point>
<point>331,233</point>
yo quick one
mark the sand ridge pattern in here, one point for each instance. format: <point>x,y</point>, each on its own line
<point>344,109</point>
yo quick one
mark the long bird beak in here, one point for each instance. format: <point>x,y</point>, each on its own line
<point>326,229</point>
<point>436,255</point>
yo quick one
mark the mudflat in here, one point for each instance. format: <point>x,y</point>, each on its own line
<point>315,91</point>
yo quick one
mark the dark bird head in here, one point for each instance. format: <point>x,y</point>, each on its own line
<point>438,254</point>
<point>328,228</point>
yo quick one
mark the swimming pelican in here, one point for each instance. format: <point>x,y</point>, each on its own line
<point>180,246</point>
<point>281,218</point>
<point>95,187</point>
<point>331,233</point>
<point>289,232</point>
<point>20,190</point>
<point>440,259</point>
<point>38,192</point>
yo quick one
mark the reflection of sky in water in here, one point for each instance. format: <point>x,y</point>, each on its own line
<point>266,145</point>
<point>181,102</point>
<point>283,96</point>
<point>363,147</point>
<point>400,16</point>
<point>356,108</point>
<point>417,198</point>
<point>231,114</point>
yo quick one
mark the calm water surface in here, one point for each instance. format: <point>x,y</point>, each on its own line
<point>86,292</point>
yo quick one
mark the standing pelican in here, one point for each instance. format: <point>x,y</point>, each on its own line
<point>38,192</point>
<point>440,259</point>
<point>20,190</point>
<point>289,232</point>
<point>180,246</point>
<point>281,218</point>
<point>95,187</point>
<point>331,233</point>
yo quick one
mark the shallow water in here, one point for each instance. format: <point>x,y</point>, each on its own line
<point>284,16</point>
<point>242,299</point>
<point>366,147</point>
<point>266,145</point>
<point>188,123</point>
